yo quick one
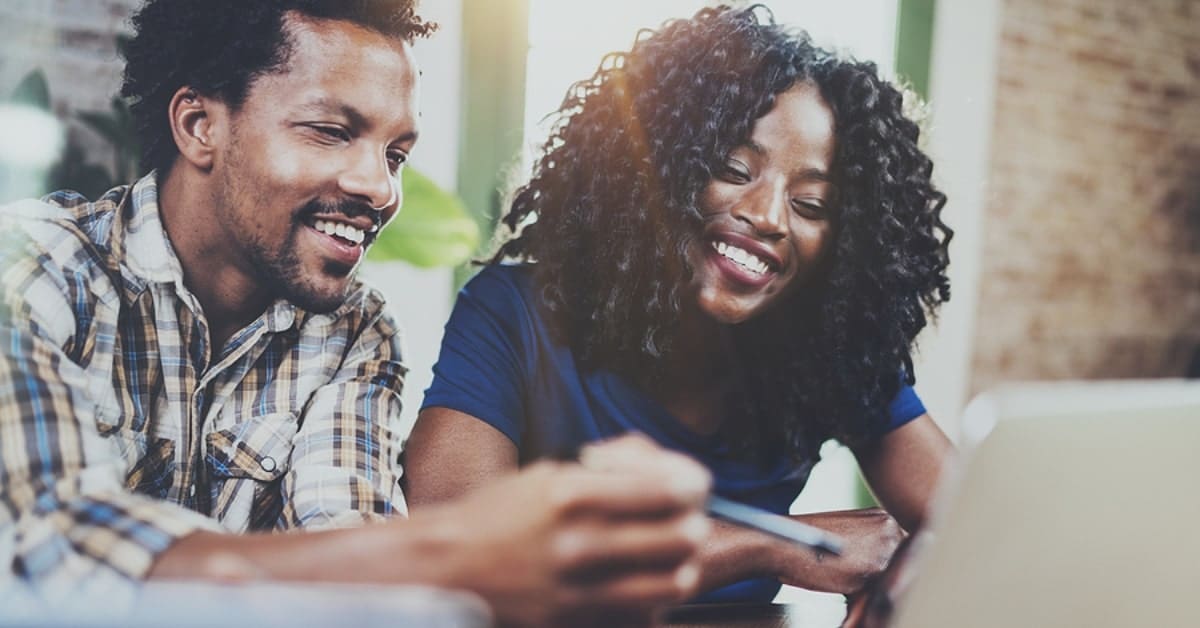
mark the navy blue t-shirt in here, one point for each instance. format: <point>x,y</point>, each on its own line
<point>500,363</point>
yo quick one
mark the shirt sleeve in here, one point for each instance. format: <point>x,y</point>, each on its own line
<point>65,514</point>
<point>480,369</point>
<point>905,407</point>
<point>344,468</point>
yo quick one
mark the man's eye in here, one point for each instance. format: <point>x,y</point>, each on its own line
<point>331,132</point>
<point>396,159</point>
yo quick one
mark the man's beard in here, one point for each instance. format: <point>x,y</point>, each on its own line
<point>282,272</point>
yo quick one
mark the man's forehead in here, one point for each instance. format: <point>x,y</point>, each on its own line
<point>335,67</point>
<point>298,28</point>
<point>328,48</point>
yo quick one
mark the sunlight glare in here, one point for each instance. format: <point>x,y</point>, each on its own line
<point>569,38</point>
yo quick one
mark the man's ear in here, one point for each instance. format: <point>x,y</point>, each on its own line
<point>193,121</point>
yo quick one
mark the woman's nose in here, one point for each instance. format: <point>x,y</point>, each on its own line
<point>765,208</point>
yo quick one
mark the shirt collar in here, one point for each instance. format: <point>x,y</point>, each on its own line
<point>149,257</point>
<point>148,254</point>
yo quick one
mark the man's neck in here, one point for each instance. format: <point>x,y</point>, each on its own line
<point>229,295</point>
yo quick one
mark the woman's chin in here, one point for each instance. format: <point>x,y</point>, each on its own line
<point>726,313</point>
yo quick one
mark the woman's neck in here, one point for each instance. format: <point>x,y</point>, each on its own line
<point>696,379</point>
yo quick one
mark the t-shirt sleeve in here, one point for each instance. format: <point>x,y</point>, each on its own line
<point>480,370</point>
<point>905,406</point>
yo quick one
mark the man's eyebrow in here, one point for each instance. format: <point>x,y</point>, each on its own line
<point>352,115</point>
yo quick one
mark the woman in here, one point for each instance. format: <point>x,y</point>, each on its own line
<point>729,243</point>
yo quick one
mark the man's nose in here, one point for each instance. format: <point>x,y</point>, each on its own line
<point>368,178</point>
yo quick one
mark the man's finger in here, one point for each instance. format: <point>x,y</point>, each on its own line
<point>575,490</point>
<point>646,590</point>
<point>637,544</point>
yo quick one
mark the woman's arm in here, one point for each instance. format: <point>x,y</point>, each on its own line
<point>732,553</point>
<point>902,468</point>
<point>449,453</point>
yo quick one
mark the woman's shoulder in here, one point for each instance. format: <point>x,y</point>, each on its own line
<point>512,280</point>
<point>504,294</point>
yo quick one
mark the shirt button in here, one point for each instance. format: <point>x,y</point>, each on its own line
<point>267,464</point>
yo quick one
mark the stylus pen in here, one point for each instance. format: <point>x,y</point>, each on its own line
<point>773,524</point>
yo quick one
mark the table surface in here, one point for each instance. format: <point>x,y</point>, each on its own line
<point>282,605</point>
<point>735,616</point>
<point>787,615</point>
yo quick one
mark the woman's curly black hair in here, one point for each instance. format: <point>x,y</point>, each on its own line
<point>219,47</point>
<point>610,213</point>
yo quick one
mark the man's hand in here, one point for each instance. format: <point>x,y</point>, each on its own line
<point>871,537</point>
<point>614,537</point>
<point>606,542</point>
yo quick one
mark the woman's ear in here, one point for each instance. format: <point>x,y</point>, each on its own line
<point>191,119</point>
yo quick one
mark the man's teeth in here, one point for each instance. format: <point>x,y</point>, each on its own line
<point>341,230</point>
<point>743,257</point>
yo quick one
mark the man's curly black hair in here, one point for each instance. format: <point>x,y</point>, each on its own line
<point>610,213</point>
<point>219,47</point>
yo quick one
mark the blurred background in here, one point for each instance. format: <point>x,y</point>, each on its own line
<point>1066,134</point>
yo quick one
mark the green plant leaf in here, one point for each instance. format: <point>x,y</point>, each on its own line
<point>33,91</point>
<point>433,227</point>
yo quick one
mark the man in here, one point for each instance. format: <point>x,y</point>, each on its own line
<point>190,357</point>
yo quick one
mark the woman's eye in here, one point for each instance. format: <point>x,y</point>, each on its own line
<point>809,208</point>
<point>735,172</point>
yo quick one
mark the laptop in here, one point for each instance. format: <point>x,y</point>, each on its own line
<point>1074,504</point>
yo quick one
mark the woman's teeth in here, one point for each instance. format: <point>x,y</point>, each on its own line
<point>742,257</point>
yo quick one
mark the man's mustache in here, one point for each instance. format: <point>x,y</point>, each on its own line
<point>348,208</point>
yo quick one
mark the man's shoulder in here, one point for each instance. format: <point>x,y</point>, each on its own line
<point>62,227</point>
<point>53,257</point>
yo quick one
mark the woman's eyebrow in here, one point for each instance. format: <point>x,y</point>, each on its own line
<point>813,174</point>
<point>810,173</point>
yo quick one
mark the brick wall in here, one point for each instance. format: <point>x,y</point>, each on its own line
<point>1091,246</point>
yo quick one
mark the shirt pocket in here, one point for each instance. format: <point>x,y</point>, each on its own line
<point>149,461</point>
<point>247,463</point>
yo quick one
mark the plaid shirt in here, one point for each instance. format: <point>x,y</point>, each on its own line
<point>122,430</point>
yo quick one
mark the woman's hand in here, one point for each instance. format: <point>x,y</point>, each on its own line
<point>872,607</point>
<point>871,536</point>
